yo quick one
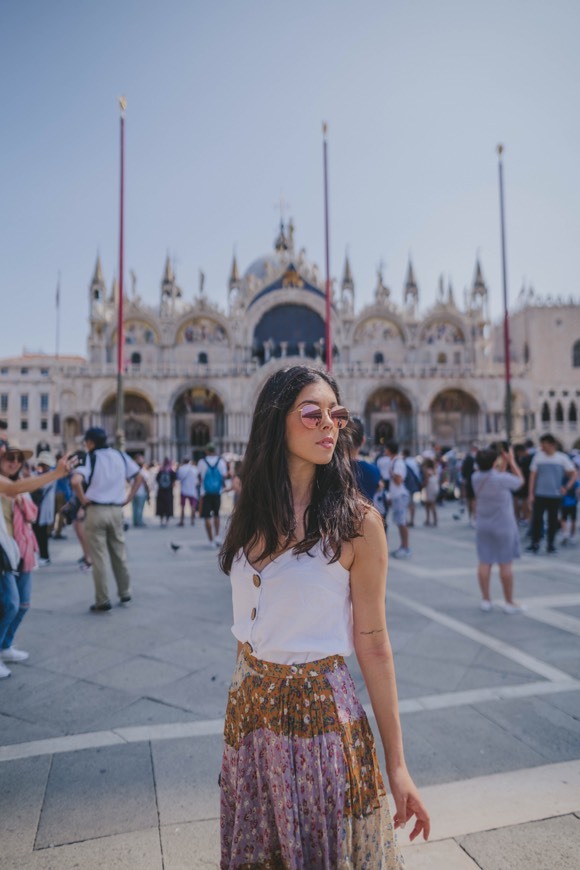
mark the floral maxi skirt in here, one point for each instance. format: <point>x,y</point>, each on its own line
<point>301,788</point>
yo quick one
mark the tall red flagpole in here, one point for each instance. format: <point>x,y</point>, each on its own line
<point>506,318</point>
<point>327,335</point>
<point>120,422</point>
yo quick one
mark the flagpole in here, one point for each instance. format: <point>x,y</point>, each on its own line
<point>57,343</point>
<point>120,421</point>
<point>506,322</point>
<point>327,335</point>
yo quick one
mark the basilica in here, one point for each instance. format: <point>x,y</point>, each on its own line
<point>192,370</point>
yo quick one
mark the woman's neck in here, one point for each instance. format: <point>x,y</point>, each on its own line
<point>302,476</point>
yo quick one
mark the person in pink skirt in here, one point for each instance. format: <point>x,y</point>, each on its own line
<point>307,558</point>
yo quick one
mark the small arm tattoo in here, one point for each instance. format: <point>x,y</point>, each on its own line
<point>374,631</point>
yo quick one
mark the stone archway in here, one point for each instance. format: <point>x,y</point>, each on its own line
<point>389,415</point>
<point>454,418</point>
<point>198,415</point>
<point>137,421</point>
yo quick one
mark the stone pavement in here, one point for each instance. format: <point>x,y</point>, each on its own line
<point>111,733</point>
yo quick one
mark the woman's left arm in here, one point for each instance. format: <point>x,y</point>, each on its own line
<point>368,578</point>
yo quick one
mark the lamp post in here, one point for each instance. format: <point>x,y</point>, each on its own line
<point>506,322</point>
<point>327,334</point>
<point>120,421</point>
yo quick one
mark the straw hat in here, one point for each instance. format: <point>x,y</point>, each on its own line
<point>14,447</point>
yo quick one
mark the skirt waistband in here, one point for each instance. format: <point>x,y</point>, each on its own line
<point>303,670</point>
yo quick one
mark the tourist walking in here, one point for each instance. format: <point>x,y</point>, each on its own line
<point>141,497</point>
<point>45,501</point>
<point>212,472</point>
<point>496,530</point>
<point>307,557</point>
<point>399,497</point>
<point>100,485</point>
<point>552,476</point>
<point>188,477</point>
<point>430,492</point>
<point>467,469</point>
<point>366,474</point>
<point>165,482</point>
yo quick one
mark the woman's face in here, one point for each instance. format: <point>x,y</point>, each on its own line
<point>313,445</point>
<point>10,464</point>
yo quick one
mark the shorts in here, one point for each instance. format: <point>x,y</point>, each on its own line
<point>400,504</point>
<point>210,505</point>
<point>189,498</point>
<point>569,512</point>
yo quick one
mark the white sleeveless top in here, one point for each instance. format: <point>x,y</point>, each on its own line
<point>296,609</point>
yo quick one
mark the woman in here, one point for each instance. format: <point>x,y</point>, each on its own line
<point>44,499</point>
<point>430,492</point>
<point>496,533</point>
<point>18,514</point>
<point>307,558</point>
<point>165,483</point>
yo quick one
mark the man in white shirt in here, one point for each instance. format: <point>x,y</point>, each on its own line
<point>188,477</point>
<point>399,497</point>
<point>212,470</point>
<point>552,475</point>
<point>100,486</point>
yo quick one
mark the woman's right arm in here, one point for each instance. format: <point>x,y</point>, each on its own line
<point>12,488</point>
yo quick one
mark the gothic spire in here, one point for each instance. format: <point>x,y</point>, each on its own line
<point>98,277</point>
<point>168,276</point>
<point>281,243</point>
<point>347,279</point>
<point>234,274</point>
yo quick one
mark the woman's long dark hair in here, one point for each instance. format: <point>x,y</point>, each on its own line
<point>264,511</point>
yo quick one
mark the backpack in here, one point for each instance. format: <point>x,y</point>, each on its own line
<point>413,483</point>
<point>164,480</point>
<point>213,478</point>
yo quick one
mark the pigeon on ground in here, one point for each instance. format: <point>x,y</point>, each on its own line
<point>175,547</point>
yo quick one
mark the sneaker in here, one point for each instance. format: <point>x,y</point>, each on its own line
<point>533,548</point>
<point>485,605</point>
<point>43,562</point>
<point>218,541</point>
<point>13,655</point>
<point>564,542</point>
<point>4,671</point>
<point>101,608</point>
<point>551,550</point>
<point>510,609</point>
<point>125,599</point>
<point>81,560</point>
<point>402,553</point>
<point>86,566</point>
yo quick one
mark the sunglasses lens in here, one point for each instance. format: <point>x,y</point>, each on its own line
<point>311,416</point>
<point>339,417</point>
<point>14,457</point>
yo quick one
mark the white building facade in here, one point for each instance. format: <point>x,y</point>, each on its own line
<point>193,371</point>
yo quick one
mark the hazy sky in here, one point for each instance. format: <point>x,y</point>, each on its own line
<point>225,104</point>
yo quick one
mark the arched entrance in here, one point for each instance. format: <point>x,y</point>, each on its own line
<point>454,418</point>
<point>137,421</point>
<point>389,415</point>
<point>198,417</point>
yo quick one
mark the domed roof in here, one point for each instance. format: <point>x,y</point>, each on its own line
<point>260,267</point>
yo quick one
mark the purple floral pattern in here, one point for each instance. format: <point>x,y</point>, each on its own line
<point>300,782</point>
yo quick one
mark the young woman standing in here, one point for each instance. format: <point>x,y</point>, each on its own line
<point>307,557</point>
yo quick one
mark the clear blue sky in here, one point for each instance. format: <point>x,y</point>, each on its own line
<point>225,104</point>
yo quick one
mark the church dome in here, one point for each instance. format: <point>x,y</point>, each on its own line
<point>262,266</point>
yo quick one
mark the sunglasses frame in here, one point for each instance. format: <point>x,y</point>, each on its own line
<point>329,411</point>
<point>14,457</point>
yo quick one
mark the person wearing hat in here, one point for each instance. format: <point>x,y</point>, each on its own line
<point>15,585</point>
<point>100,485</point>
<point>44,499</point>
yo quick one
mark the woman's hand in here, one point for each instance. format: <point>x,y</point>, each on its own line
<point>408,804</point>
<point>66,464</point>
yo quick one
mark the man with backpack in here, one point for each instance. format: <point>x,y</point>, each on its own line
<point>212,472</point>
<point>100,486</point>
<point>413,482</point>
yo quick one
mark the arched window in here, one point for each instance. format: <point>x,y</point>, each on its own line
<point>576,354</point>
<point>572,413</point>
<point>545,413</point>
<point>379,358</point>
<point>559,416</point>
<point>136,359</point>
<point>202,358</point>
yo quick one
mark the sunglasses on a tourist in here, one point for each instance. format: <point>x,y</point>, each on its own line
<point>311,416</point>
<point>14,457</point>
